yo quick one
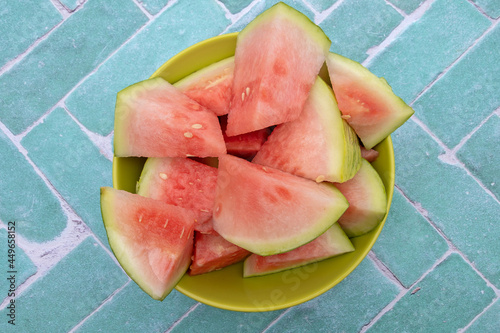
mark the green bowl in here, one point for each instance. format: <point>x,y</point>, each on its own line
<point>226,288</point>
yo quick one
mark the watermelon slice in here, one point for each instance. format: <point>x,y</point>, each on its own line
<point>278,56</point>
<point>152,241</point>
<point>212,252</point>
<point>211,86</point>
<point>154,119</point>
<point>366,101</point>
<point>244,145</point>
<point>367,201</point>
<point>319,145</point>
<point>181,182</point>
<point>369,154</point>
<point>331,243</point>
<point>268,211</point>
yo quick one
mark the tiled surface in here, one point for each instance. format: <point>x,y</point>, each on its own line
<point>435,267</point>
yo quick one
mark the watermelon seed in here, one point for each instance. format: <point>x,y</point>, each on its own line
<point>242,96</point>
<point>320,178</point>
<point>345,116</point>
<point>140,218</point>
<point>163,175</point>
<point>190,183</point>
<point>247,90</point>
<point>182,233</point>
<point>180,199</point>
<point>205,210</point>
<point>188,135</point>
<point>165,225</point>
<point>196,126</point>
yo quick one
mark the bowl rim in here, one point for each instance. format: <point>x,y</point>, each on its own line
<point>389,187</point>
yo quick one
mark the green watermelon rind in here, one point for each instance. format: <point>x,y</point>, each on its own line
<point>376,206</point>
<point>346,157</point>
<point>314,31</point>
<point>121,250</point>
<point>338,240</point>
<point>400,112</point>
<point>123,111</point>
<point>206,72</point>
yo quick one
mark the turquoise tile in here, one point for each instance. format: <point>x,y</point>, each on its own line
<point>22,23</point>
<point>236,6</point>
<point>466,94</point>
<point>262,6</point>
<point>480,154</point>
<point>25,198</point>
<point>153,6</point>
<point>16,262</point>
<point>428,46</point>
<point>408,244</point>
<point>490,7</point>
<point>207,319</point>
<point>132,310</point>
<point>358,25</point>
<point>93,102</point>
<point>488,321</point>
<point>72,164</point>
<point>453,200</point>
<point>71,4</point>
<point>69,292</point>
<point>58,63</point>
<point>448,299</point>
<point>321,5</point>
<point>408,6</point>
<point>347,307</point>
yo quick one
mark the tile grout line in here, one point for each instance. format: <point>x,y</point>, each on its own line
<point>181,318</point>
<point>103,143</point>
<point>449,158</point>
<point>466,327</point>
<point>385,270</point>
<point>275,320</point>
<point>143,10</point>
<point>324,14</point>
<point>403,292</point>
<point>454,62</point>
<point>65,12</point>
<point>399,10</point>
<point>103,303</point>
<point>451,246</point>
<point>479,9</point>
<point>407,21</point>
<point>236,17</point>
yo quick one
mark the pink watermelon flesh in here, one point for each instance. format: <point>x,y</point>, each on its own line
<point>211,86</point>
<point>319,145</point>
<point>278,56</point>
<point>212,252</point>
<point>267,211</point>
<point>244,145</point>
<point>331,243</point>
<point>182,182</point>
<point>367,201</point>
<point>154,119</point>
<point>153,241</point>
<point>369,154</point>
<point>366,101</point>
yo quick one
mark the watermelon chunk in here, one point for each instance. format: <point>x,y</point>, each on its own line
<point>181,182</point>
<point>244,145</point>
<point>154,119</point>
<point>268,211</point>
<point>369,154</point>
<point>331,243</point>
<point>211,86</point>
<point>278,56</point>
<point>212,252</point>
<point>367,201</point>
<point>152,241</point>
<point>319,145</point>
<point>367,101</point>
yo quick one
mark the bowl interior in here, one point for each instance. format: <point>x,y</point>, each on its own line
<point>227,289</point>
